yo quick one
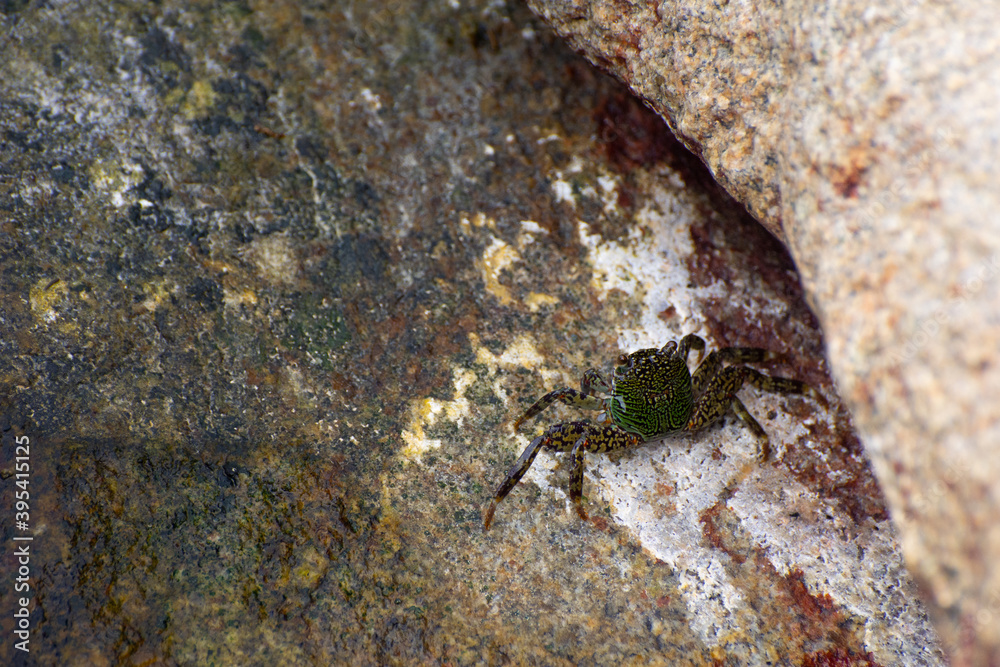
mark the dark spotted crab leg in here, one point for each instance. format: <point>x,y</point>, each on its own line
<point>567,395</point>
<point>718,392</point>
<point>572,437</point>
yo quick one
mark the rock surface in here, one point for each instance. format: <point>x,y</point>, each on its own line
<point>866,136</point>
<point>276,277</point>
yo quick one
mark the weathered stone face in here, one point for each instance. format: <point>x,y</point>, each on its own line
<point>866,137</point>
<point>275,277</point>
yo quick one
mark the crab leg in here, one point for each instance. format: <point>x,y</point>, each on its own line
<point>567,395</point>
<point>560,437</point>
<point>779,385</point>
<point>720,394</point>
<point>572,437</point>
<point>763,442</point>
<point>689,342</point>
<point>576,476</point>
<point>712,364</point>
<point>599,439</point>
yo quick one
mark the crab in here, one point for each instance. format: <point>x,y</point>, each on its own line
<point>651,394</point>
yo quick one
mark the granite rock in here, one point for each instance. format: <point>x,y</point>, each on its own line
<point>866,137</point>
<point>277,276</point>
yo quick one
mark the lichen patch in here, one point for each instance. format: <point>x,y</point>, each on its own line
<point>275,259</point>
<point>497,257</point>
<point>44,296</point>
<point>425,412</point>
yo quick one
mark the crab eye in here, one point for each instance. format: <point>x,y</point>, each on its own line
<point>622,359</point>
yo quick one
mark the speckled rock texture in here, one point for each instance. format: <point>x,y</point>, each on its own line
<point>276,278</point>
<point>866,136</point>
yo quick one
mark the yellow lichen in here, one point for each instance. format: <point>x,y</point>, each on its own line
<point>275,259</point>
<point>497,257</point>
<point>199,99</point>
<point>157,292</point>
<point>536,300</point>
<point>425,412</point>
<point>43,296</point>
<point>237,298</point>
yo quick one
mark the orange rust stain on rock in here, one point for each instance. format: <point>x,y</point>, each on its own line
<point>811,605</point>
<point>854,487</point>
<point>714,536</point>
<point>632,134</point>
<point>846,178</point>
<point>839,657</point>
<point>600,523</point>
<point>668,314</point>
